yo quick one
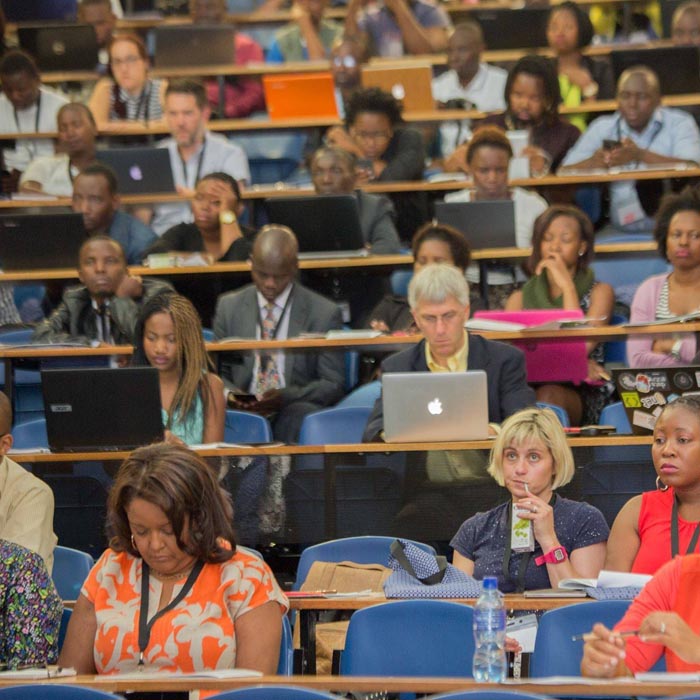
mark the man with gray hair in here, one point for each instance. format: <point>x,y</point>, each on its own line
<point>439,299</point>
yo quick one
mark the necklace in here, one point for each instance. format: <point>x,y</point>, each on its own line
<point>173,577</point>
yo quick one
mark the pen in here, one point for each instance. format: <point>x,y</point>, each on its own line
<point>588,636</point>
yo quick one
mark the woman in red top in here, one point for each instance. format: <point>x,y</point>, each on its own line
<point>655,526</point>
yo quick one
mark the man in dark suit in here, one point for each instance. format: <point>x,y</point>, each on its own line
<point>439,299</point>
<point>287,385</point>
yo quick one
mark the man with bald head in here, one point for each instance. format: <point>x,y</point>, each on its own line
<point>287,385</point>
<point>26,503</point>
<point>640,133</point>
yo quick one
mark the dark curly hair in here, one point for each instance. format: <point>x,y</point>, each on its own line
<point>459,248</point>
<point>544,69</point>
<point>491,137</point>
<point>583,22</point>
<point>376,101</point>
<point>671,204</point>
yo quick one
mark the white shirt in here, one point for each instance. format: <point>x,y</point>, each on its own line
<point>51,172</point>
<point>485,91</point>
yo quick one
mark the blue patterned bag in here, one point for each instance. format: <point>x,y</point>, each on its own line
<point>617,593</point>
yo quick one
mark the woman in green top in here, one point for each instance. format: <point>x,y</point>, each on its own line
<point>562,250</point>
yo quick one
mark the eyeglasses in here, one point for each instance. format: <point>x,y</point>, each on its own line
<point>344,61</point>
<point>372,135</point>
<point>127,61</point>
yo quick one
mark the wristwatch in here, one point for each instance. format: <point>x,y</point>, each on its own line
<point>553,556</point>
<point>676,350</point>
<point>227,217</point>
<point>591,90</point>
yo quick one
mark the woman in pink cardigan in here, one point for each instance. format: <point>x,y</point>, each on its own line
<point>671,294</point>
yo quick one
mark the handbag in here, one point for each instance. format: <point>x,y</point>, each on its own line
<point>419,574</point>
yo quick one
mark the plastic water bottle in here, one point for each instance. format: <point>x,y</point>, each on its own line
<point>489,664</point>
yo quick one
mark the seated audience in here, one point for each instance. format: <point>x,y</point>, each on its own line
<point>307,37</point>
<point>99,15</point>
<point>685,24</point>
<point>95,196</point>
<point>439,299</point>
<point>468,83</point>
<point>26,503</point>
<point>398,27</point>
<point>581,78</point>
<point>658,525</point>
<point>677,232</point>
<point>532,459</point>
<point>169,337</point>
<point>562,251</point>
<point>25,106</point>
<point>347,57</point>
<point>242,95</point>
<point>31,609</point>
<point>172,545</point>
<point>129,98</point>
<point>287,385</point>
<point>104,308</point>
<point>433,243</point>
<point>487,158</point>
<point>641,132</point>
<point>77,133</point>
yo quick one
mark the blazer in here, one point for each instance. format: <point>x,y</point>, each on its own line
<point>506,378</point>
<point>317,377</point>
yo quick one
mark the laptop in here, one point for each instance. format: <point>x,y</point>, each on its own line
<point>33,10</point>
<point>63,47</point>
<point>547,360</point>
<point>410,85</point>
<point>40,241</point>
<point>435,406</point>
<point>143,170</point>
<point>644,392</point>
<point>484,223</point>
<point>300,96</point>
<point>504,28</point>
<point>325,225</point>
<point>101,409</point>
<point>194,45</point>
<point>678,67</point>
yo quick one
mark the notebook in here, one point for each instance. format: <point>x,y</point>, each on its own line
<point>194,45</point>
<point>60,47</point>
<point>40,241</point>
<point>101,409</point>
<point>484,223</point>
<point>303,95</point>
<point>435,406</point>
<point>678,67</point>
<point>547,360</point>
<point>323,224</point>
<point>504,29</point>
<point>140,170</point>
<point>644,392</point>
<point>410,85</point>
<point>33,10</point>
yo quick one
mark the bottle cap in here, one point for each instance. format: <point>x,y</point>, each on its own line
<point>490,583</point>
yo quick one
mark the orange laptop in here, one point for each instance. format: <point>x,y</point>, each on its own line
<point>410,85</point>
<point>300,95</point>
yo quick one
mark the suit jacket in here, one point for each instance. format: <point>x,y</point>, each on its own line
<point>378,222</point>
<point>309,376</point>
<point>506,379</point>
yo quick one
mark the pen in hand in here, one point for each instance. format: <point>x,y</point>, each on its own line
<point>588,636</point>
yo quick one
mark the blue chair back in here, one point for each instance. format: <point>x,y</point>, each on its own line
<point>410,638</point>
<point>285,667</point>
<point>399,282</point>
<point>243,427</point>
<point>334,426</point>
<point>48,691</point>
<point>30,434</point>
<point>65,619</point>
<point>70,569</point>
<point>489,695</point>
<point>208,335</point>
<point>614,414</point>
<point>616,350</point>
<point>367,549</point>
<point>274,692</point>
<point>560,412</point>
<point>364,395</point>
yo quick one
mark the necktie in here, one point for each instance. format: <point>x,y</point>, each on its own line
<point>268,376</point>
<point>103,317</point>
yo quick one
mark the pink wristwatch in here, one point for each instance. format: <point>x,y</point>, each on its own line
<point>554,556</point>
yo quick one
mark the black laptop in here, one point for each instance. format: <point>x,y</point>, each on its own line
<point>484,223</point>
<point>40,241</point>
<point>504,28</point>
<point>325,225</point>
<point>101,409</point>
<point>194,46</point>
<point>60,47</point>
<point>36,10</point>
<point>678,67</point>
<point>140,170</point>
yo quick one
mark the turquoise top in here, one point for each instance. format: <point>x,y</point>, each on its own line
<point>190,430</point>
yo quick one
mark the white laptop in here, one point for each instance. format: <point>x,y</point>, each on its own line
<point>435,406</point>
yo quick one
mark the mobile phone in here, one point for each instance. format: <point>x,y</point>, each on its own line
<point>610,144</point>
<point>245,398</point>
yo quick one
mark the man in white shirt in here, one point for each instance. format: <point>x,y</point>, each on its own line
<point>194,151</point>
<point>478,85</point>
<point>26,503</point>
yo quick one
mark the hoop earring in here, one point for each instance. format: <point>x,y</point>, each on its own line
<point>133,542</point>
<point>662,486</point>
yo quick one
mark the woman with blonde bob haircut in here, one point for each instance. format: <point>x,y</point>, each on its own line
<point>532,459</point>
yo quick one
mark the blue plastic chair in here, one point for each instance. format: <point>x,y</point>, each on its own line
<point>560,412</point>
<point>364,395</point>
<point>30,434</point>
<point>28,399</point>
<point>614,414</point>
<point>333,426</point>
<point>399,282</point>
<point>410,638</point>
<point>208,335</point>
<point>243,427</point>
<point>285,667</point>
<point>489,695</point>
<point>616,350</point>
<point>274,692</point>
<point>70,569</point>
<point>367,549</point>
<point>49,691</point>
<point>65,619</point>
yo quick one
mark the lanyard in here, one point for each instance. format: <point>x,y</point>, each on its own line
<point>200,160</point>
<point>145,625</point>
<point>36,117</point>
<point>273,331</point>
<point>526,557</point>
<point>674,531</point>
<point>654,132</point>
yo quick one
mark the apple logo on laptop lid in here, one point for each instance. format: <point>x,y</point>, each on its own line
<point>435,407</point>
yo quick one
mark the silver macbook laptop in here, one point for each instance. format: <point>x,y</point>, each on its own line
<point>435,406</point>
<point>485,223</point>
